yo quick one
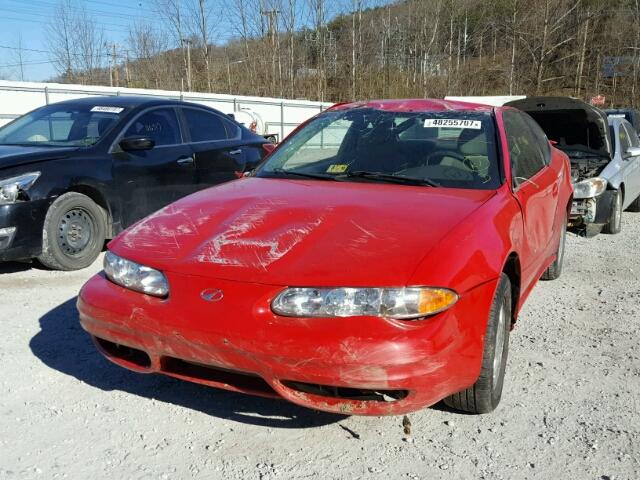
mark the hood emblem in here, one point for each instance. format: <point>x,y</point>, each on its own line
<point>212,294</point>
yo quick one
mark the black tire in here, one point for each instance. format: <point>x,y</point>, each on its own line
<point>73,233</point>
<point>634,206</point>
<point>484,395</point>
<point>614,225</point>
<point>555,269</point>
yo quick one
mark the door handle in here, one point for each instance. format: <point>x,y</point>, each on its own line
<point>185,161</point>
<point>235,152</point>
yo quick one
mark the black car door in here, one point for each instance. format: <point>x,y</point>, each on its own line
<point>217,146</point>
<point>147,180</point>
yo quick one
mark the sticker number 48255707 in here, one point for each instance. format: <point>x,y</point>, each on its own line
<point>452,123</point>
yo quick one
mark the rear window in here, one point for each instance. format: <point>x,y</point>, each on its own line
<point>452,149</point>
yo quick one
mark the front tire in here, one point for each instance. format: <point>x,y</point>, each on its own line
<point>555,269</point>
<point>484,395</point>
<point>614,225</point>
<point>73,233</point>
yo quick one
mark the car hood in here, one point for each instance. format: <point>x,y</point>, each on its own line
<point>574,125</point>
<point>299,232</point>
<point>15,155</point>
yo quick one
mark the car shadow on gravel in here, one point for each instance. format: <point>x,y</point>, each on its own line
<point>63,345</point>
<point>15,267</point>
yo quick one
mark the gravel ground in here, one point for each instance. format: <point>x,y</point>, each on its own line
<point>569,409</point>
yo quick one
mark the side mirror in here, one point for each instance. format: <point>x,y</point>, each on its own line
<point>136,143</point>
<point>268,147</point>
<point>632,152</point>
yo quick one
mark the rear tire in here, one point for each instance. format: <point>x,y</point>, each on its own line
<point>555,269</point>
<point>614,225</point>
<point>484,395</point>
<point>73,233</point>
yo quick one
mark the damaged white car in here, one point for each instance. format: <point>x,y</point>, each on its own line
<point>604,155</point>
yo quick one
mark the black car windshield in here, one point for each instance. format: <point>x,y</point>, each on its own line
<point>443,149</point>
<point>62,125</point>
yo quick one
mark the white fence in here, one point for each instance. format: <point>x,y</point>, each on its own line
<point>280,116</point>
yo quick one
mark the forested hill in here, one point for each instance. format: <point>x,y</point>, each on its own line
<point>408,48</point>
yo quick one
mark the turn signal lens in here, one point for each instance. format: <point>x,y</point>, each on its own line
<point>399,303</point>
<point>434,300</point>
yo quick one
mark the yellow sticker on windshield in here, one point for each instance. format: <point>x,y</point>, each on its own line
<point>337,168</point>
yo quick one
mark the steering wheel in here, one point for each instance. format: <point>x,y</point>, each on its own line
<point>442,154</point>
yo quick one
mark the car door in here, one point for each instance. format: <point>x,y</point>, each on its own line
<point>535,186</point>
<point>147,180</point>
<point>216,144</point>
<point>630,163</point>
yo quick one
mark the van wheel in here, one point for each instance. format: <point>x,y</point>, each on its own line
<point>555,269</point>
<point>73,233</point>
<point>484,395</point>
<point>614,225</point>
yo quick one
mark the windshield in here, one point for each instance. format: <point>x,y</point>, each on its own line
<point>444,149</point>
<point>61,125</point>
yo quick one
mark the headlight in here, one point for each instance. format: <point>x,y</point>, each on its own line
<point>134,276</point>
<point>592,187</point>
<point>10,188</point>
<point>399,303</point>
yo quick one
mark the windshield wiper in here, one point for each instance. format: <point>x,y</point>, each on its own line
<point>316,176</point>
<point>391,177</point>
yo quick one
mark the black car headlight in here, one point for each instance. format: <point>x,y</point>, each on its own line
<point>10,188</point>
<point>134,276</point>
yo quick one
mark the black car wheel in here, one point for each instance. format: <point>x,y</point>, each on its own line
<point>484,395</point>
<point>614,225</point>
<point>73,233</point>
<point>555,269</point>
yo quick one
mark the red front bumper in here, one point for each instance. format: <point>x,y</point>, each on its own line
<point>332,364</point>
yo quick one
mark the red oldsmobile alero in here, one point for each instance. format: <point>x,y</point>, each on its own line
<point>373,264</point>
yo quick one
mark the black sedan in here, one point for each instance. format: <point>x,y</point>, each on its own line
<point>75,173</point>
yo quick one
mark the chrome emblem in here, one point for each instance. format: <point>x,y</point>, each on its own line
<point>212,294</point>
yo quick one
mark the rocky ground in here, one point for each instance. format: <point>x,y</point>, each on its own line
<point>569,409</point>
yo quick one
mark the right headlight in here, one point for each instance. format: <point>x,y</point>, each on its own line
<point>10,188</point>
<point>134,276</point>
<point>591,187</point>
<point>403,303</point>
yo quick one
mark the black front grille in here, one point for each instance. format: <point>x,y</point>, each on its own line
<point>196,371</point>
<point>122,352</point>
<point>347,393</point>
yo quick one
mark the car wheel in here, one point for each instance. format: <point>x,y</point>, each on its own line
<point>555,269</point>
<point>73,233</point>
<point>634,206</point>
<point>484,395</point>
<point>614,225</point>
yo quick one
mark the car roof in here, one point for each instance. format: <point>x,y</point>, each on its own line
<point>416,105</point>
<point>130,101</point>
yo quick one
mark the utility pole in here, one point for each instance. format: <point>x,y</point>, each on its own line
<point>115,80</point>
<point>106,46</point>
<point>188,42</point>
<point>126,67</point>
<point>272,17</point>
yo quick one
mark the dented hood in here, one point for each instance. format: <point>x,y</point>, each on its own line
<point>298,232</point>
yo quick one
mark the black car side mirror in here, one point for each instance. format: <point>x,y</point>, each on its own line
<point>136,143</point>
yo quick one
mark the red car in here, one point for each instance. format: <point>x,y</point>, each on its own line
<point>373,264</point>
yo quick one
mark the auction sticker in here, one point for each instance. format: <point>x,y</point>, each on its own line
<point>107,109</point>
<point>452,123</point>
<point>337,168</point>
